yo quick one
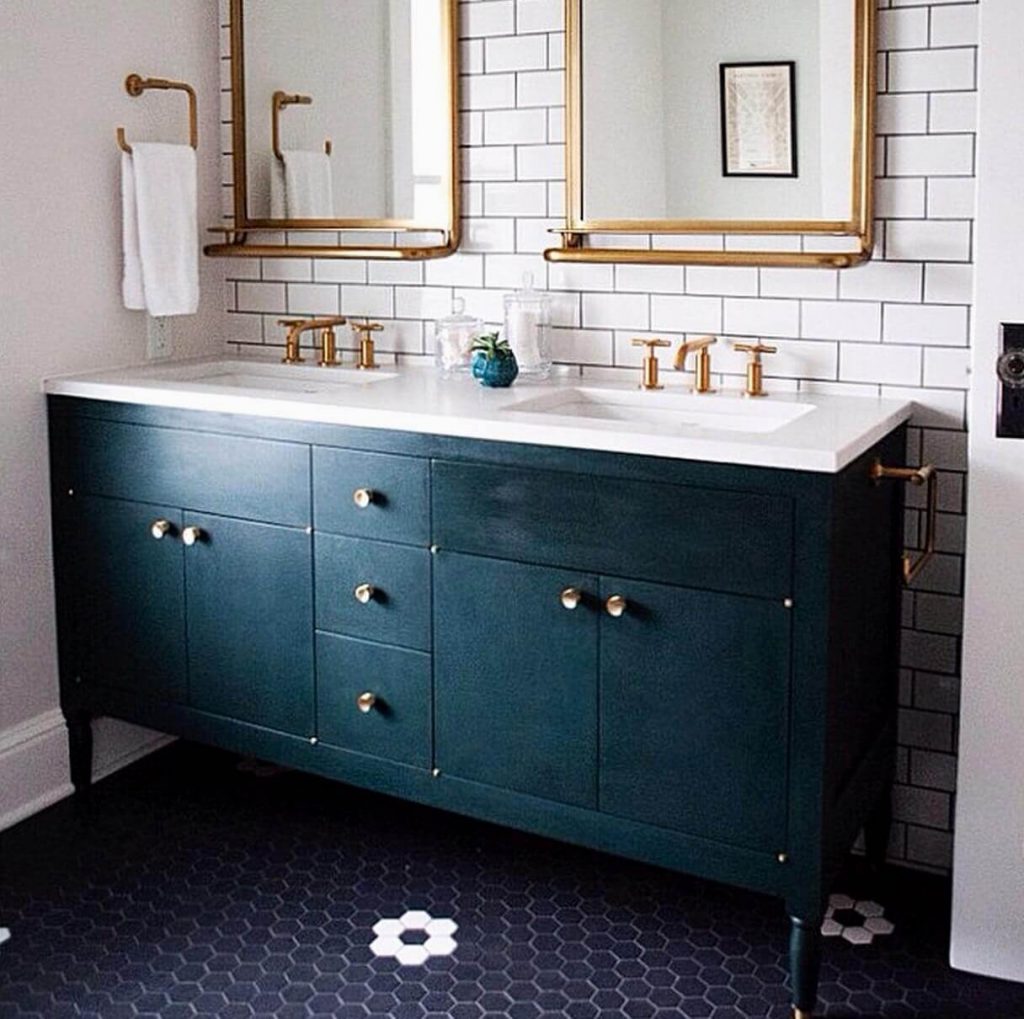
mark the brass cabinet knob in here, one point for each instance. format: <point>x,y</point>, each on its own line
<point>191,536</point>
<point>616,606</point>
<point>363,497</point>
<point>571,598</point>
<point>160,529</point>
<point>366,702</point>
<point>365,593</point>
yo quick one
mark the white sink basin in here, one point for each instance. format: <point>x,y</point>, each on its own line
<point>664,412</point>
<point>271,378</point>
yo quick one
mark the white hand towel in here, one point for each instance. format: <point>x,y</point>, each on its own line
<point>161,232</point>
<point>278,196</point>
<point>309,193</point>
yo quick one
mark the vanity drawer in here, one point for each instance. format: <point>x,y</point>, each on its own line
<point>696,537</point>
<point>371,495</point>
<point>254,479</point>
<point>397,608</point>
<point>374,699</point>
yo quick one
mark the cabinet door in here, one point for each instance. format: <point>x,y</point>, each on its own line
<point>250,622</point>
<point>130,597</point>
<point>694,712</point>
<point>515,676</point>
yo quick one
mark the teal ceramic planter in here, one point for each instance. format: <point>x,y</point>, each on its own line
<point>496,372</point>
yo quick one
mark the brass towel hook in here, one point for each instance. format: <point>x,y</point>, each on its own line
<point>277,103</point>
<point>926,475</point>
<point>135,85</point>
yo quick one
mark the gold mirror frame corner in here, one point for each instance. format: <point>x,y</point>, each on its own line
<point>860,227</point>
<point>237,243</point>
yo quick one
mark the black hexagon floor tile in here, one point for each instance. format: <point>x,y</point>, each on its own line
<point>187,886</point>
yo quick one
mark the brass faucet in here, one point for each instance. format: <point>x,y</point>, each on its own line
<point>298,326</point>
<point>365,333</point>
<point>650,364</point>
<point>755,370</point>
<point>702,373</point>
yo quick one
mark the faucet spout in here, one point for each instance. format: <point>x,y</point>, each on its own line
<point>699,346</point>
<point>298,326</point>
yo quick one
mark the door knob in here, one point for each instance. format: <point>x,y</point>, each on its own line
<point>160,529</point>
<point>366,702</point>
<point>571,598</point>
<point>616,606</point>
<point>363,497</point>
<point>191,536</point>
<point>365,593</point>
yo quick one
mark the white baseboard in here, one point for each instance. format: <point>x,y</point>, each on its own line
<point>34,766</point>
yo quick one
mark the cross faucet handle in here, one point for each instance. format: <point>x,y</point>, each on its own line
<point>755,370</point>
<point>650,366</point>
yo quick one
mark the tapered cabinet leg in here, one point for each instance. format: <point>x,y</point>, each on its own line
<point>804,964</point>
<point>876,834</point>
<point>80,750</point>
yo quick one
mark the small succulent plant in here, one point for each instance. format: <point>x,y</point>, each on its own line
<point>491,346</point>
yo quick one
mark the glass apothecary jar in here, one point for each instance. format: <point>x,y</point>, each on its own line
<point>453,339</point>
<point>528,328</point>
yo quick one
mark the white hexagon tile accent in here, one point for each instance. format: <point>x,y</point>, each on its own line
<point>858,922</point>
<point>389,942</point>
<point>5,935</point>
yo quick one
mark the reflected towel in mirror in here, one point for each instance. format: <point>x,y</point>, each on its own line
<point>301,186</point>
<point>160,229</point>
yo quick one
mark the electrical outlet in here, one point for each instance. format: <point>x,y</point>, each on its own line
<point>159,340</point>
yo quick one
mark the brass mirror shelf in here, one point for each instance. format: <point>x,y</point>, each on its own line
<point>404,216</point>
<point>135,85</point>
<point>237,244</point>
<point>857,230</point>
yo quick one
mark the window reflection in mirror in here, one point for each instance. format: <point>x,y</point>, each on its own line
<point>363,113</point>
<point>652,110</point>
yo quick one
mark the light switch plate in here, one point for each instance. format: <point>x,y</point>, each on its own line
<point>159,339</point>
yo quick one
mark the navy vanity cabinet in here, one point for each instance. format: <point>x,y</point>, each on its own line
<point>689,664</point>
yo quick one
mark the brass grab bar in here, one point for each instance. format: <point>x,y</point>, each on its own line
<point>926,475</point>
<point>277,103</point>
<point>135,85</point>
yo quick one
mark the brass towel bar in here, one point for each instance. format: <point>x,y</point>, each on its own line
<point>926,475</point>
<point>277,103</point>
<point>135,85</point>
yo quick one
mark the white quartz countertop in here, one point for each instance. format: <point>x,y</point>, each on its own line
<point>800,432</point>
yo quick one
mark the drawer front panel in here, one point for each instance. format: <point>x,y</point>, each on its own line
<point>398,609</point>
<point>398,508</point>
<point>394,722</point>
<point>255,479</point>
<point>720,540</point>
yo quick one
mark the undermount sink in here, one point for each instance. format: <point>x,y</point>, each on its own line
<point>282,378</point>
<point>665,412</point>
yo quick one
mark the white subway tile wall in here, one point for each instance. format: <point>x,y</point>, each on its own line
<point>899,326</point>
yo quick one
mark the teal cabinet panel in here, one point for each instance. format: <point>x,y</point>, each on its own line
<point>256,479</point>
<point>250,622</point>
<point>699,537</point>
<point>695,713</point>
<point>515,678</point>
<point>396,611</point>
<point>130,604</point>
<point>374,699</point>
<point>398,507</point>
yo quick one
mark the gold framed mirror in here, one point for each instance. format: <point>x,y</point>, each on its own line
<point>720,132</point>
<point>344,121</point>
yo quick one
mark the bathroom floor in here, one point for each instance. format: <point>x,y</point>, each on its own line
<point>193,885</point>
